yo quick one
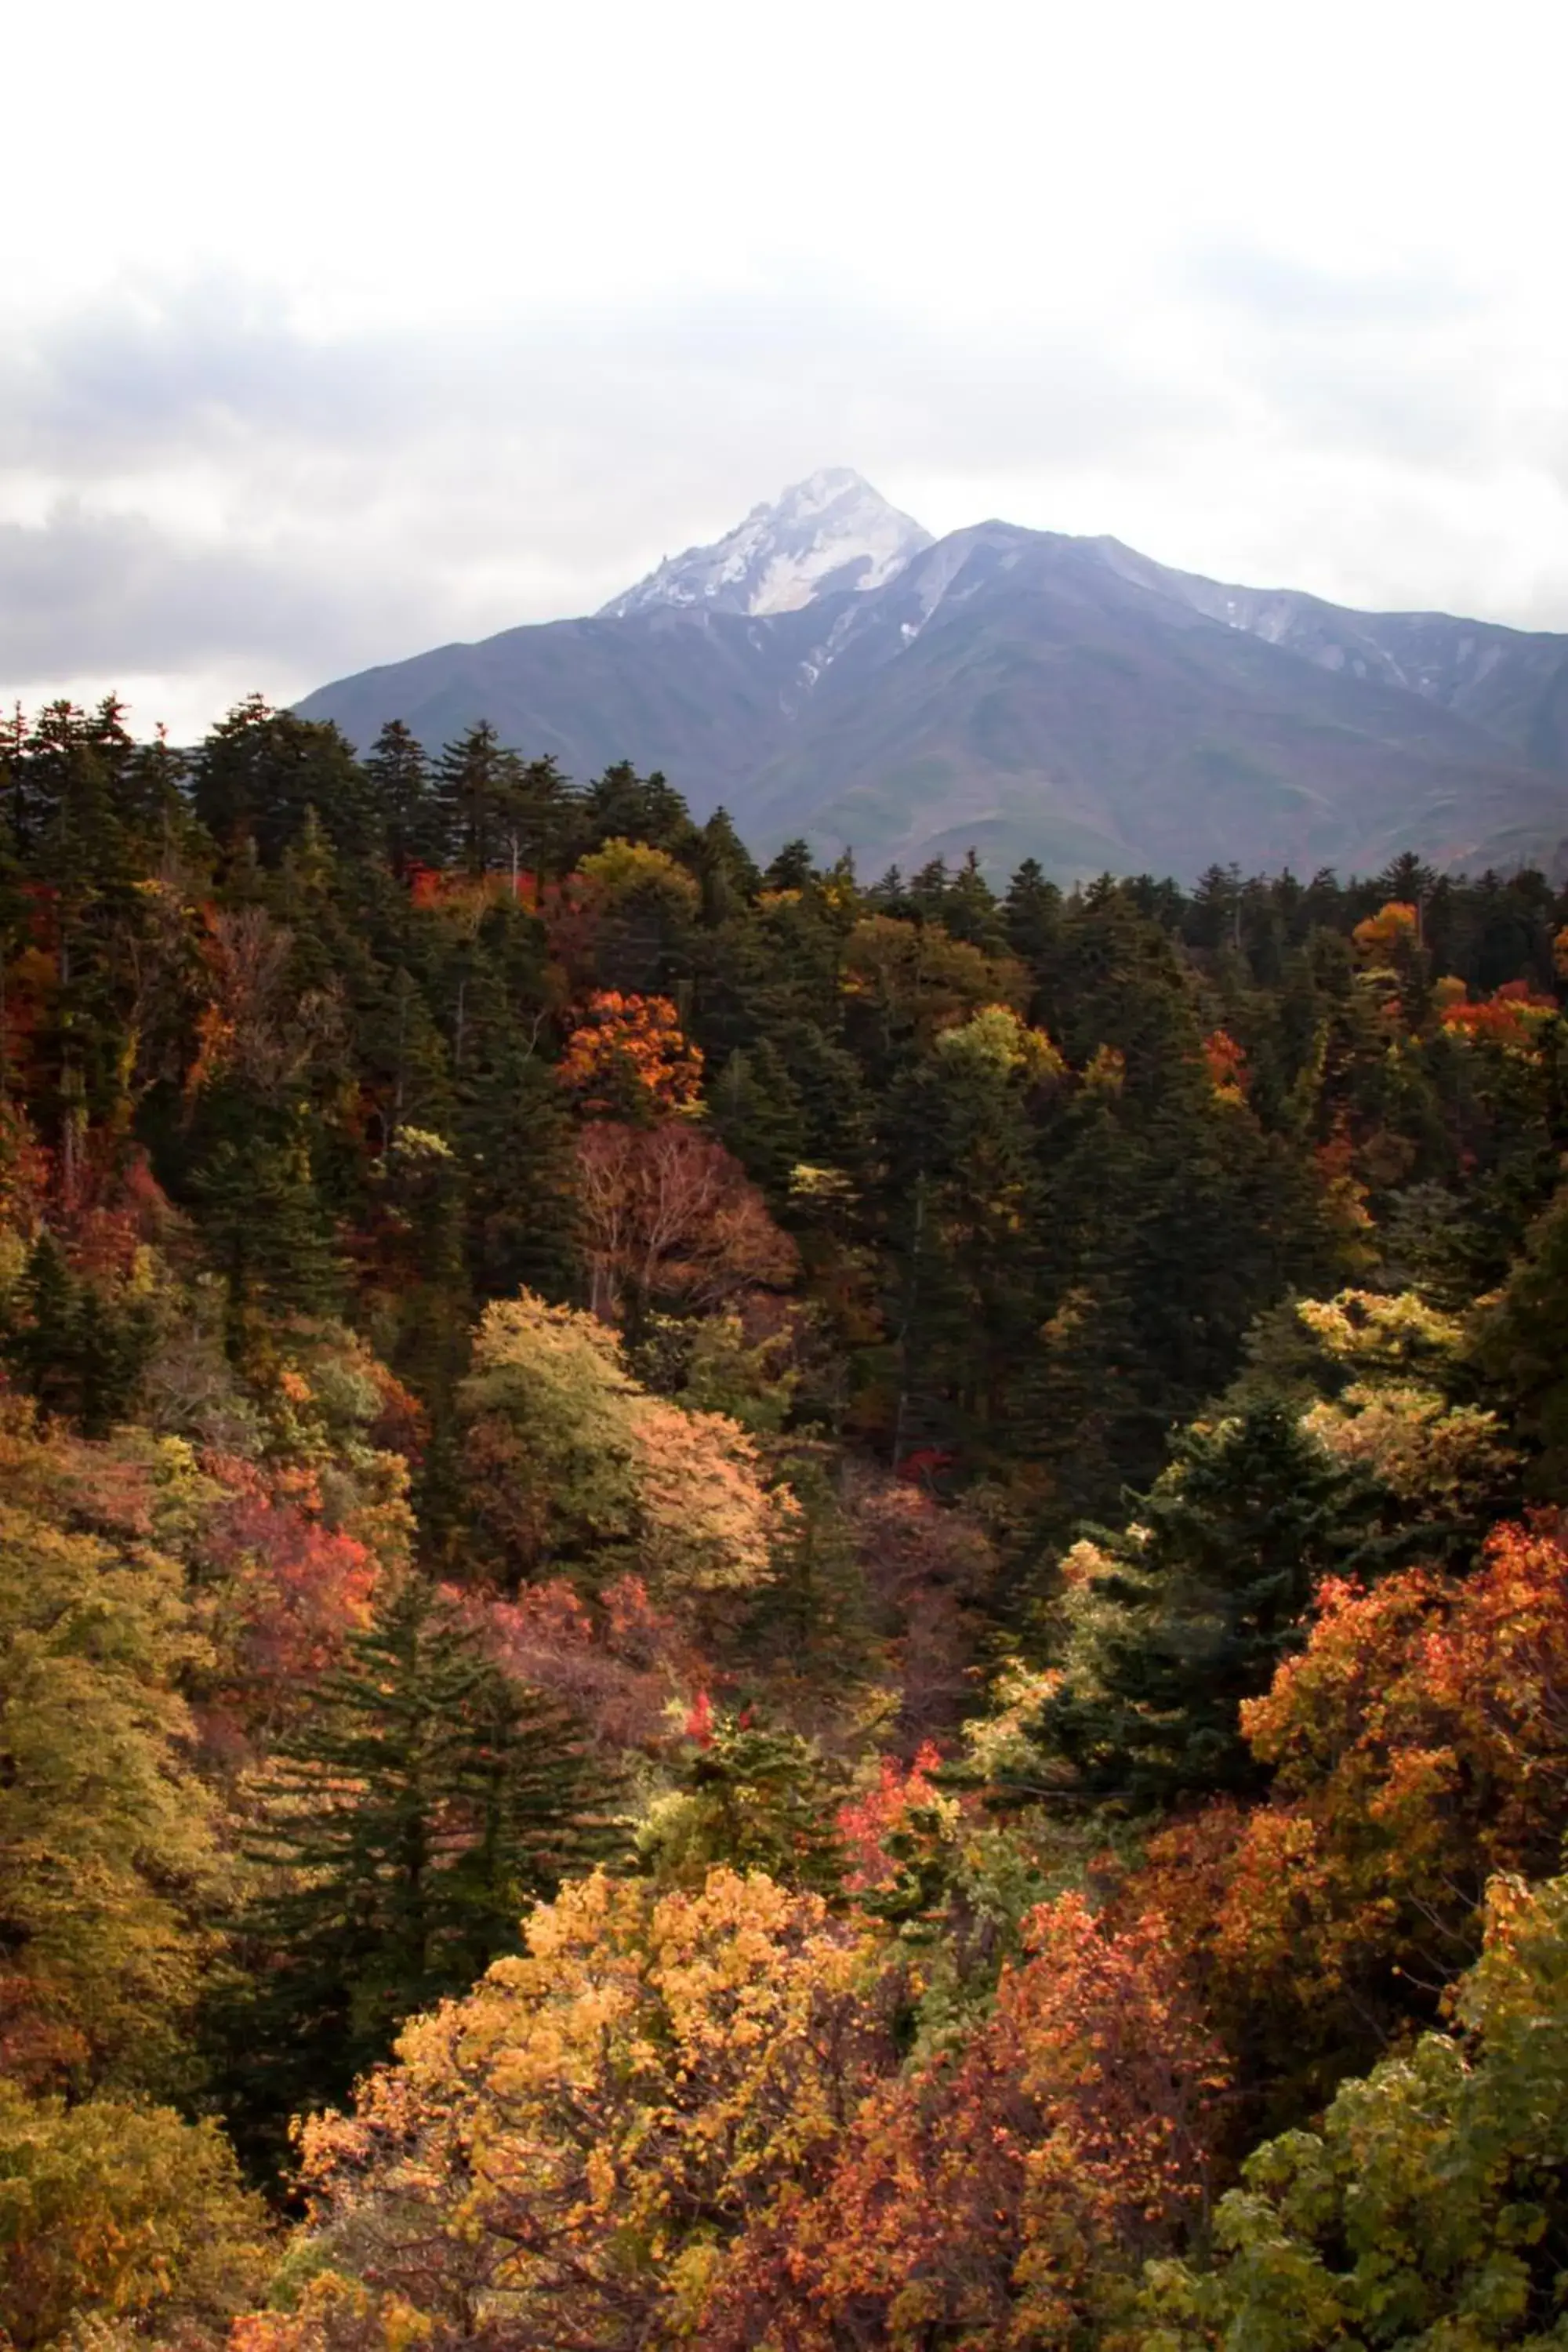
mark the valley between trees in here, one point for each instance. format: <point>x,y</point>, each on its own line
<point>763,1610</point>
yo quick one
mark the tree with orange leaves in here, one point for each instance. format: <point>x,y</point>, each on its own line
<point>1418,1744</point>
<point>1006,2193</point>
<point>565,2157</point>
<point>629,1058</point>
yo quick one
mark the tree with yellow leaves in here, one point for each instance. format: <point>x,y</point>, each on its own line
<point>567,2157</point>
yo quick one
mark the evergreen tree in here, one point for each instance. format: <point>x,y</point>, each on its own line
<point>792,868</point>
<point>1173,1622</point>
<point>266,1227</point>
<point>410,1819</point>
<point>77,1349</point>
<point>1522,1347</point>
<point>261,771</point>
<point>746,1797</point>
<point>621,806</point>
<point>402,798</point>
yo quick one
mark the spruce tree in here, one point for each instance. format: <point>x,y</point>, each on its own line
<point>473,778</point>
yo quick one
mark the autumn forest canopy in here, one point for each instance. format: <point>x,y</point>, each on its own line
<point>762,1609</point>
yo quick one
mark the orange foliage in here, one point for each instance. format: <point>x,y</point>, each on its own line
<point>1420,1743</point>
<point>629,1052</point>
<point>1007,2193</point>
<point>1510,1017</point>
<point>1344,1193</point>
<point>1227,1066</point>
<point>1395,926</point>
<point>432,889</point>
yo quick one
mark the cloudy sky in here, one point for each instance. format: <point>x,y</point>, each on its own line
<point>333,332</point>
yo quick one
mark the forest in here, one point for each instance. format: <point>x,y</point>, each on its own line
<point>747,1608</point>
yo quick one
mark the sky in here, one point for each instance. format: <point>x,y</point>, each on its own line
<point>334,331</point>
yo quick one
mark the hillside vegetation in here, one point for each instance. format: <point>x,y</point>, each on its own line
<point>751,1608</point>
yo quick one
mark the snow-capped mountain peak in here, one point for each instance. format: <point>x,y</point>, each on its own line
<point>829,532</point>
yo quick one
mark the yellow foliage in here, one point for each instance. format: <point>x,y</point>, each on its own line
<point>581,2135</point>
<point>112,2211</point>
<point>627,869</point>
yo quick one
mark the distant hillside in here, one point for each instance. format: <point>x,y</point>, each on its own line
<point>1023,691</point>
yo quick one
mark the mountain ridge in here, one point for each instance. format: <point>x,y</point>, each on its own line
<point>1038,693</point>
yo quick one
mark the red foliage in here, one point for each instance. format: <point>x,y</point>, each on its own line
<point>927,1566</point>
<point>434,889</point>
<point>698,1724</point>
<point>289,1591</point>
<point>924,1466</point>
<point>1001,2195</point>
<point>1510,1017</point>
<point>619,1663</point>
<point>867,1823</point>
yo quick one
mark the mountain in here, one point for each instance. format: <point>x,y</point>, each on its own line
<point>829,671</point>
<point>831,532</point>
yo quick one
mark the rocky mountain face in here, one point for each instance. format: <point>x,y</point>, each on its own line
<point>830,533</point>
<point>829,670</point>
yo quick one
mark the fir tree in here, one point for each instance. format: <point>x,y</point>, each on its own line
<point>1176,1621</point>
<point>410,1819</point>
<point>402,797</point>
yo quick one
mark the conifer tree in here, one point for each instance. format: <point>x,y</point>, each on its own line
<point>261,770</point>
<point>747,1796</point>
<point>403,799</point>
<point>410,1819</point>
<point>1176,1620</point>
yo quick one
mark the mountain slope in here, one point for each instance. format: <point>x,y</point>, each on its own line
<point>1032,694</point>
<point>1017,690</point>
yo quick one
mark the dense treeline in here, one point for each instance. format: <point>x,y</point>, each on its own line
<point>931,1515</point>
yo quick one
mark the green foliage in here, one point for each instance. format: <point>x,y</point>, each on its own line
<point>1429,2211</point>
<point>924,1225</point>
<point>403,1827</point>
<point>1522,1345</point>
<point>576,1467</point>
<point>1171,1624</point>
<point>79,1345</point>
<point>750,1798</point>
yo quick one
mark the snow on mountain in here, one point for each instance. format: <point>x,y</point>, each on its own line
<point>831,532</point>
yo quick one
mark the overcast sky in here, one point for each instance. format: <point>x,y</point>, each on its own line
<point>333,332</point>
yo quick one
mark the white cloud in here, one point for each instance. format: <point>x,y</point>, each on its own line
<point>336,331</point>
